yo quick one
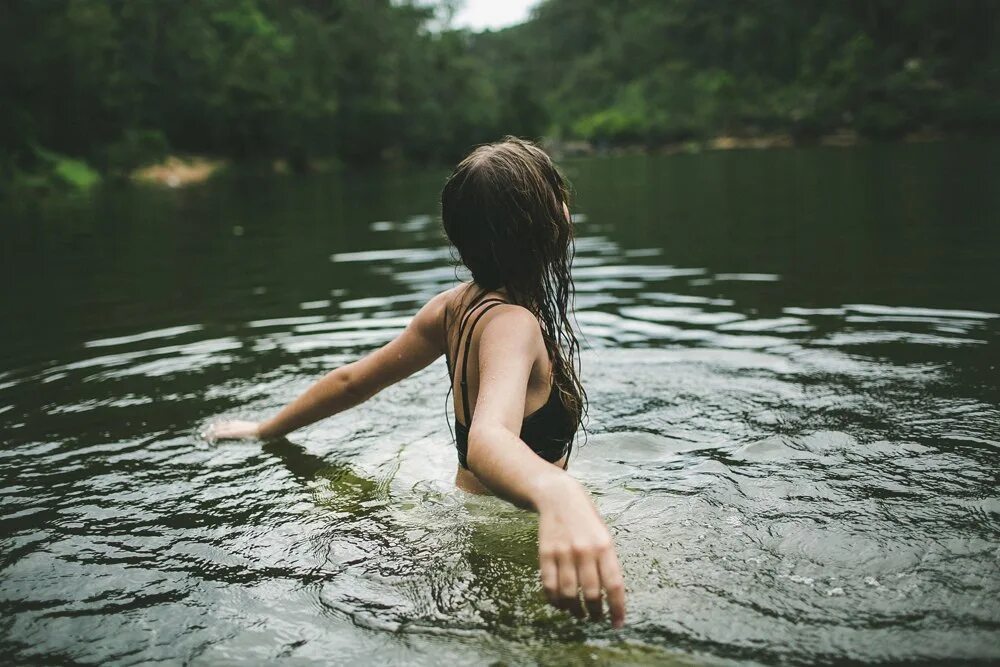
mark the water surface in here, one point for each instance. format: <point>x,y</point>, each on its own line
<point>792,360</point>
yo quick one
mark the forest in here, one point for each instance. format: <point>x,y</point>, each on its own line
<point>96,88</point>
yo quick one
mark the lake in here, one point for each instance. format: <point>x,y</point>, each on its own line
<point>792,360</point>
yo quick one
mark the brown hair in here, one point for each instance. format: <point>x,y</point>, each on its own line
<point>502,209</point>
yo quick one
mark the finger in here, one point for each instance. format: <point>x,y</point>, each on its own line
<point>614,586</point>
<point>590,584</point>
<point>550,578</point>
<point>569,590</point>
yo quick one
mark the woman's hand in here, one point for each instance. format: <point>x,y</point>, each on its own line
<point>232,430</point>
<point>576,554</point>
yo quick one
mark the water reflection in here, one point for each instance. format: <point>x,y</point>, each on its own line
<point>794,470</point>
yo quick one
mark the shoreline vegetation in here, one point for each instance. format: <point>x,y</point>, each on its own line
<point>182,171</point>
<point>171,93</point>
<point>844,138</point>
<point>185,171</point>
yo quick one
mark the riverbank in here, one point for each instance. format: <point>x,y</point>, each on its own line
<point>842,138</point>
<point>182,171</point>
<point>177,172</point>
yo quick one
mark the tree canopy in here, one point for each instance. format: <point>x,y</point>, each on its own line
<point>116,83</point>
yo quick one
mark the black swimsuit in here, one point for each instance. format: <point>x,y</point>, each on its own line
<point>547,431</point>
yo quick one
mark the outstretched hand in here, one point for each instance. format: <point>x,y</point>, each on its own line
<point>577,556</point>
<point>232,430</point>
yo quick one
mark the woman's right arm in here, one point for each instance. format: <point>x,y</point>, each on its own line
<point>575,549</point>
<point>416,347</point>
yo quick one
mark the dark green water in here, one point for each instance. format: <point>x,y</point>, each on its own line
<point>793,361</point>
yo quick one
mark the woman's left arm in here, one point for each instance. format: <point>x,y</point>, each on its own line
<point>416,347</point>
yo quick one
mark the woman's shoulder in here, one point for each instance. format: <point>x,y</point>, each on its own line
<point>450,307</point>
<point>456,300</point>
<point>504,322</point>
<point>440,311</point>
<point>510,320</point>
<point>459,300</point>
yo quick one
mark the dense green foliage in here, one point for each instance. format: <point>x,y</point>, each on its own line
<point>663,70</point>
<point>117,83</point>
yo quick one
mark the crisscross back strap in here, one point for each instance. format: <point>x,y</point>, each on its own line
<point>492,303</point>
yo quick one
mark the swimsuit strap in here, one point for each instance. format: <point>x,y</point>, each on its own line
<point>461,325</point>
<point>478,301</point>
<point>493,302</point>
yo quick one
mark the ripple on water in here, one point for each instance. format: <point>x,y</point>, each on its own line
<point>786,484</point>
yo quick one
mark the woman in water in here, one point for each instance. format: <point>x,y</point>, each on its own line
<point>511,356</point>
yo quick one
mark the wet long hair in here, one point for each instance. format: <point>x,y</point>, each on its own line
<point>503,210</point>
